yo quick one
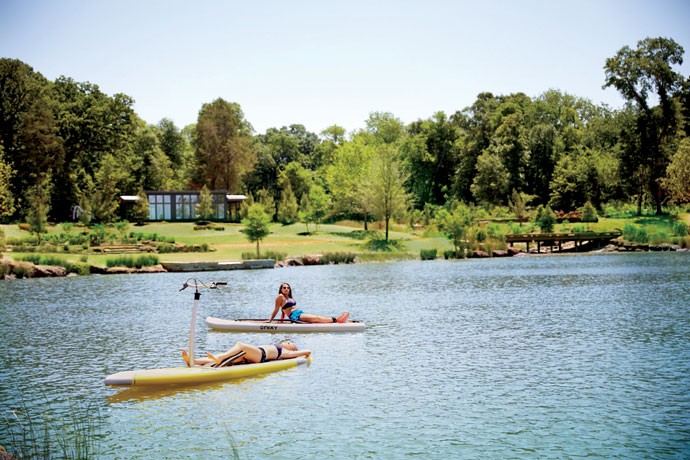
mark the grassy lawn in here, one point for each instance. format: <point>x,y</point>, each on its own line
<point>230,243</point>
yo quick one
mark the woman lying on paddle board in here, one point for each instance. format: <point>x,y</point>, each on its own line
<point>250,354</point>
<point>288,307</point>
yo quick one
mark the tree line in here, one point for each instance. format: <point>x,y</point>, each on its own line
<point>65,144</point>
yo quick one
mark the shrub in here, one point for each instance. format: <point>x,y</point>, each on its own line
<point>4,269</point>
<point>23,270</point>
<point>589,213</point>
<point>427,254</point>
<point>451,254</point>
<point>635,234</point>
<point>378,243</point>
<point>659,237</point>
<point>545,219</point>
<point>145,260</point>
<point>680,229</point>
<point>337,258</point>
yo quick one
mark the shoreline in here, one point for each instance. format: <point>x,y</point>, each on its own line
<point>9,270</point>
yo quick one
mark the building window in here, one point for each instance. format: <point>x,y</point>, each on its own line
<point>219,205</point>
<point>160,207</point>
<point>185,206</point>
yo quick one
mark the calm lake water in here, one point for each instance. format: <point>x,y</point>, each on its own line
<point>527,357</point>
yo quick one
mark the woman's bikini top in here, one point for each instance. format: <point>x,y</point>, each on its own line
<point>289,303</point>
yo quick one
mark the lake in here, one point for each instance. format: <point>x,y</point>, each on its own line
<point>563,356</point>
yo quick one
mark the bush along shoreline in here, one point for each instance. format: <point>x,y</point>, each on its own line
<point>46,266</point>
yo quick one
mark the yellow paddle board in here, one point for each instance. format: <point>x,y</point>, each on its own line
<point>199,374</point>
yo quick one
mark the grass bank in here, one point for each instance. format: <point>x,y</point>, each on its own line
<point>229,243</point>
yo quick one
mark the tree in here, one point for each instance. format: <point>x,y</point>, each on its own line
<point>151,168</point>
<point>223,145</point>
<point>635,74</point>
<point>475,124</point>
<point>6,198</point>
<point>492,180</point>
<point>677,180</point>
<point>383,186</point>
<point>204,208</point>
<point>518,205</point>
<point>433,154</point>
<point>140,210</point>
<point>545,218</point>
<point>456,225</point>
<point>589,213</point>
<point>28,131</point>
<point>105,189</point>
<point>315,207</point>
<point>39,199</point>
<point>175,145</point>
<point>288,209</point>
<point>345,178</point>
<point>256,225</point>
<point>94,128</point>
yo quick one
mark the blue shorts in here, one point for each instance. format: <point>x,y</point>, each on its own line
<point>294,316</point>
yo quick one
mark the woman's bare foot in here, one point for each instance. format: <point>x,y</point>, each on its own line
<point>343,317</point>
<point>215,360</point>
<point>185,356</point>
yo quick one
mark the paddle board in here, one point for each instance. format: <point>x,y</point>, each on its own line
<point>199,374</point>
<point>277,326</point>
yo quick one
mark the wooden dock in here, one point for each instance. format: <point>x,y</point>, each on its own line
<point>557,240</point>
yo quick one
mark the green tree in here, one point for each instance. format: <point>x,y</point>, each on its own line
<point>433,153</point>
<point>456,225</point>
<point>151,167</point>
<point>545,218</point>
<point>383,185</point>
<point>95,128</point>
<point>677,180</point>
<point>176,147</point>
<point>300,178</point>
<point>288,209</point>
<point>204,208</point>
<point>635,74</point>
<point>475,125</point>
<point>105,190</point>
<point>39,199</point>
<point>223,144</point>
<point>589,213</point>
<point>345,178</point>
<point>6,197</point>
<point>315,207</point>
<point>518,205</point>
<point>256,225</point>
<point>28,131</point>
<point>490,185</point>
<point>140,210</point>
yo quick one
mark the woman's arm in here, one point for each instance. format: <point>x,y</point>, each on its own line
<point>287,354</point>
<point>280,301</point>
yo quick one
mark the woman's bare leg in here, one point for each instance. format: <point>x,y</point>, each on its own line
<point>309,318</point>
<point>252,353</point>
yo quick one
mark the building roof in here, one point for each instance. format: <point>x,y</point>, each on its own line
<point>235,197</point>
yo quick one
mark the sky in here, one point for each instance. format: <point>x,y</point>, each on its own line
<point>322,63</point>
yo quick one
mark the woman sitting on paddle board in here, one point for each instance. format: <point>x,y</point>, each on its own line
<point>250,354</point>
<point>288,307</point>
